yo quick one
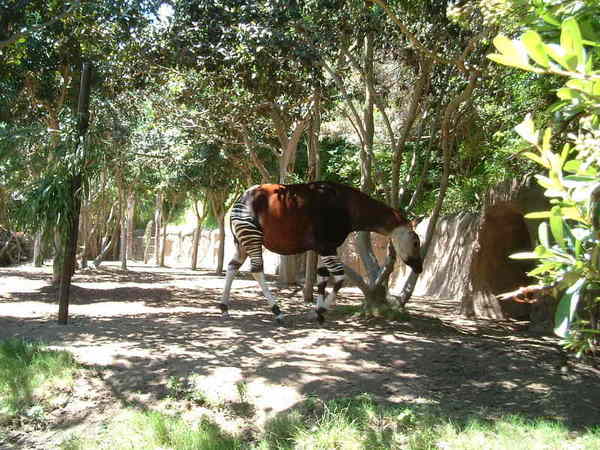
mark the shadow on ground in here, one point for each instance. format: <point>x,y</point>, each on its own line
<point>484,369</point>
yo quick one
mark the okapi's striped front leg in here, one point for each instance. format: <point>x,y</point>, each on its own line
<point>331,266</point>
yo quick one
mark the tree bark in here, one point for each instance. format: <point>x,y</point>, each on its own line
<point>314,173</point>
<point>200,217</point>
<point>70,248</point>
<point>158,225</point>
<point>163,247</point>
<point>131,202</point>
<point>147,240</point>
<point>38,251</point>
<point>221,254</point>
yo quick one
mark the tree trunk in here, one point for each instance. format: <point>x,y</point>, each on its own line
<point>200,217</point>
<point>69,252</point>
<point>147,241</point>
<point>163,247</point>
<point>38,250</point>
<point>158,225</point>
<point>195,244</point>
<point>123,240</point>
<point>131,201</point>
<point>221,254</point>
<point>314,173</point>
<point>57,262</point>
<point>110,241</point>
<point>71,233</point>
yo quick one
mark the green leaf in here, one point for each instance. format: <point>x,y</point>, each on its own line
<point>556,226</point>
<point>526,130</point>
<point>571,41</point>
<point>557,53</point>
<point>581,85</point>
<point>546,147</point>
<point>538,215</point>
<point>565,153</point>
<point>572,166</point>
<point>535,48</point>
<point>551,19</point>
<point>567,93</point>
<point>537,159</point>
<point>513,50</point>
<point>567,308</point>
<point>512,62</point>
<point>572,213</point>
<point>524,255</point>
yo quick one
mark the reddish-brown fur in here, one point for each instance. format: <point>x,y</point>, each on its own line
<point>317,216</point>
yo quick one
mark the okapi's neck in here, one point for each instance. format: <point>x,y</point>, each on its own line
<point>372,215</point>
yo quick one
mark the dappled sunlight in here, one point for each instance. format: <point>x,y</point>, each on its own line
<point>141,334</point>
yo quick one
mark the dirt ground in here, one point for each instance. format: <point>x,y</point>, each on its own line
<point>140,328</point>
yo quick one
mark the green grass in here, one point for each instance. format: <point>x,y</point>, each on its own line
<point>360,423</point>
<point>156,430</point>
<point>352,423</point>
<point>29,373</point>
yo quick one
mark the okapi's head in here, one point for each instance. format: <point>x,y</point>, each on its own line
<point>407,244</point>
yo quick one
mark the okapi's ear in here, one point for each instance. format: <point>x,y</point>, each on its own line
<point>416,221</point>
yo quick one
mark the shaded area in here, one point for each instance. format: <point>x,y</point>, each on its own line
<point>137,338</point>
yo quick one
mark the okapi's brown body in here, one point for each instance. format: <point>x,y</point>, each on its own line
<point>293,218</point>
<point>316,216</point>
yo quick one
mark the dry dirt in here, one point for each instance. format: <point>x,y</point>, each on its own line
<point>140,328</point>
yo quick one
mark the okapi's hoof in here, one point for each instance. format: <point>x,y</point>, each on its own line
<point>224,310</point>
<point>320,316</point>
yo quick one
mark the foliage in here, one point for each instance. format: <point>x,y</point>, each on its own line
<point>569,243</point>
<point>29,372</point>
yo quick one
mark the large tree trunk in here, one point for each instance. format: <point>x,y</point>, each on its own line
<point>38,249</point>
<point>163,247</point>
<point>109,244</point>
<point>124,225</point>
<point>221,254</point>
<point>131,201</point>
<point>148,240</point>
<point>200,217</point>
<point>158,225</point>
<point>76,182</point>
<point>57,262</point>
<point>314,173</point>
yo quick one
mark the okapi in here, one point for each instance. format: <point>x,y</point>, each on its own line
<point>293,218</point>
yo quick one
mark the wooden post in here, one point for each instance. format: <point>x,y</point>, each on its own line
<point>70,237</point>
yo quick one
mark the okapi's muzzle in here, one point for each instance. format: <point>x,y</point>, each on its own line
<point>415,264</point>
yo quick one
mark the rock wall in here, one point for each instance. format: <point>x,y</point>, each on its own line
<point>469,256</point>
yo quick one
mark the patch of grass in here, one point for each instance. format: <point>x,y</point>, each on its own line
<point>360,423</point>
<point>157,430</point>
<point>347,423</point>
<point>30,373</point>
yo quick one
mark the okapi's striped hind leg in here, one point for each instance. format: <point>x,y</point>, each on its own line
<point>331,266</point>
<point>232,270</point>
<point>249,240</point>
